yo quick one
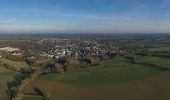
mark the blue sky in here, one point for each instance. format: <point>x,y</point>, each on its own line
<point>84,16</point>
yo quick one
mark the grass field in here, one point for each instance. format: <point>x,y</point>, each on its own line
<point>152,88</point>
<point>161,49</point>
<point>6,75</point>
<point>32,98</point>
<point>111,71</point>
<point>164,62</point>
<point>118,79</point>
<point>15,64</point>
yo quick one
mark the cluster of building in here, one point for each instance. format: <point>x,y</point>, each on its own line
<point>10,51</point>
<point>79,48</point>
<point>58,48</point>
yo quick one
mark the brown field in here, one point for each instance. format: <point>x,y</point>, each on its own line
<point>152,88</point>
<point>2,93</point>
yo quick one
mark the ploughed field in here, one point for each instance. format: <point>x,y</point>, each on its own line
<point>117,79</point>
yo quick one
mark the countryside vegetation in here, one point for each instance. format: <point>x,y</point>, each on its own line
<point>138,68</point>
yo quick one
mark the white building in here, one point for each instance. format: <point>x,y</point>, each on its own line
<point>9,49</point>
<point>17,54</point>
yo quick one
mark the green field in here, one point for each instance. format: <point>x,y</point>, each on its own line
<point>152,88</point>
<point>161,49</point>
<point>106,81</point>
<point>6,75</point>
<point>114,79</point>
<point>111,71</point>
<point>14,64</point>
<point>164,62</point>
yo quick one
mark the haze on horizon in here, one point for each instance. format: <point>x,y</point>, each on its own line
<point>85,16</point>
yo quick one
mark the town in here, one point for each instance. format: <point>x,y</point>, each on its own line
<point>61,48</point>
<point>80,49</point>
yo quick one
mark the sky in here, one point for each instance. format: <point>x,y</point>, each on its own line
<point>84,16</point>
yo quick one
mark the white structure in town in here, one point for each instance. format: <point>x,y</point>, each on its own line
<point>9,49</point>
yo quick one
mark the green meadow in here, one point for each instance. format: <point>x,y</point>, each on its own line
<point>108,81</point>
<point>109,72</point>
<point>161,49</point>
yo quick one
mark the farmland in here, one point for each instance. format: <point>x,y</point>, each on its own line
<point>132,68</point>
<point>2,93</point>
<point>164,62</point>
<point>151,88</point>
<point>14,64</point>
<point>110,80</point>
<point>112,71</point>
<point>161,49</point>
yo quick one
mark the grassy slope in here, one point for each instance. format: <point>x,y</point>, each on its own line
<point>14,63</point>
